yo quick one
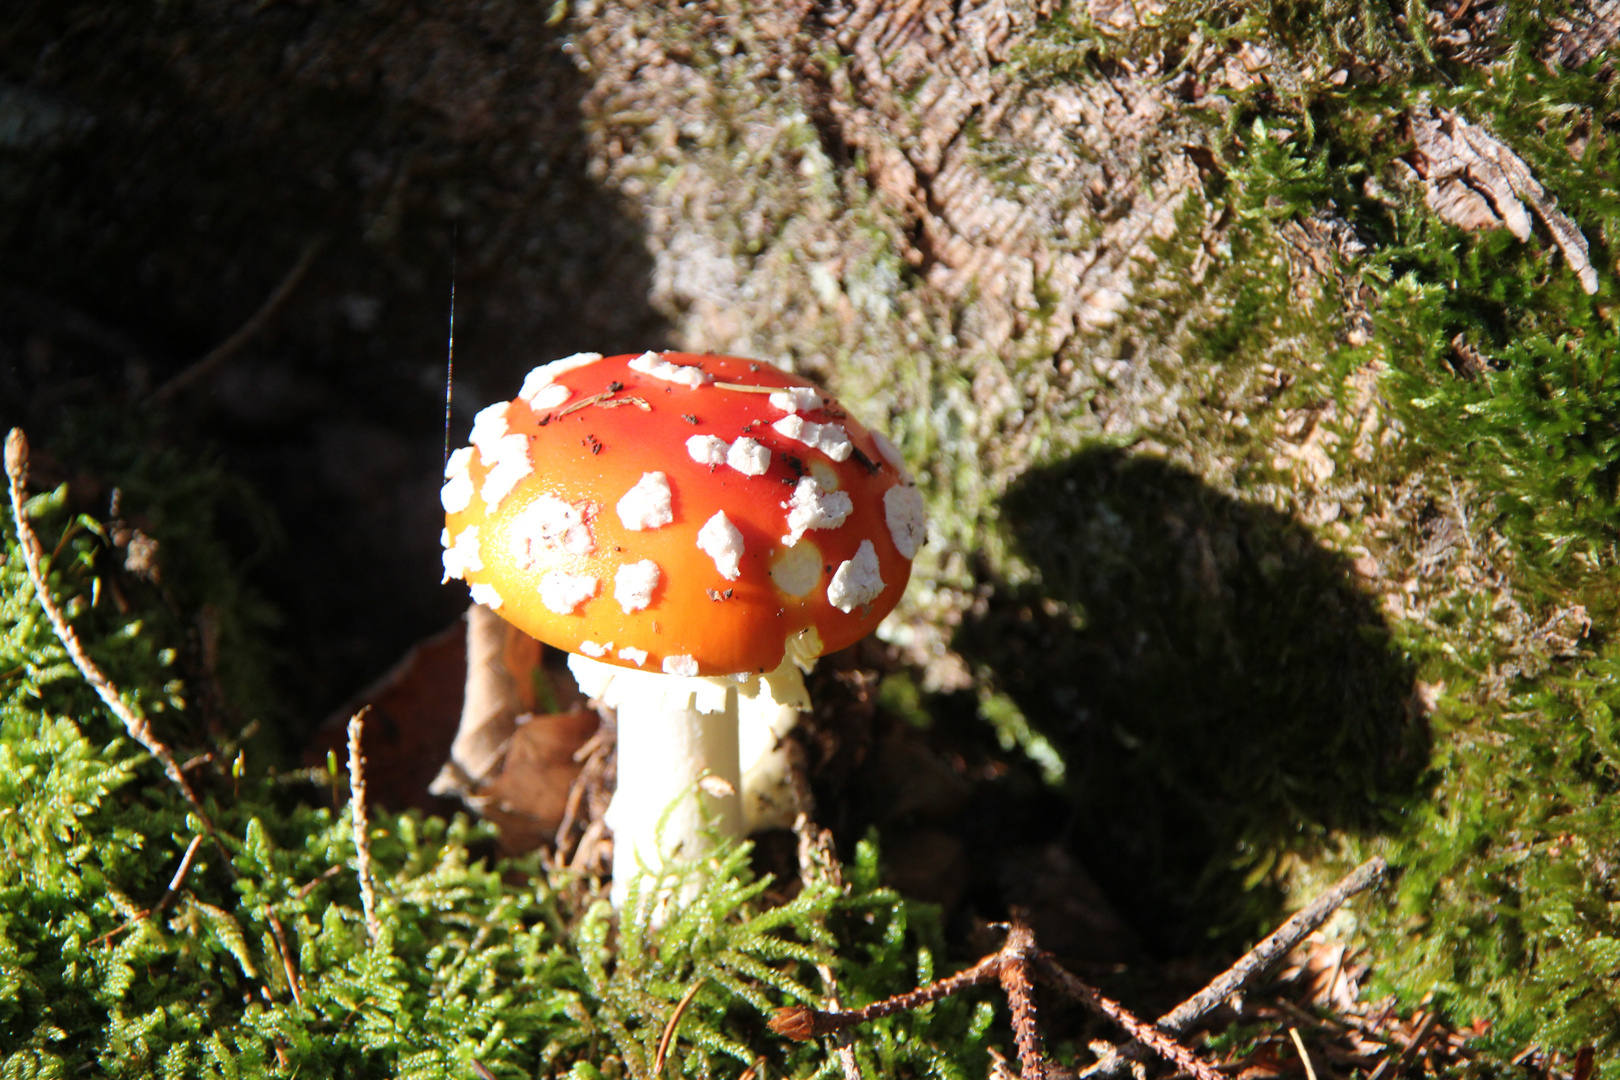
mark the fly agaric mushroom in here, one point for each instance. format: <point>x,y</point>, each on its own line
<point>693,530</point>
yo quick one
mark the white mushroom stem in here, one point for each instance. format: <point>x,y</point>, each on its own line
<point>687,748</point>
<point>767,709</point>
<point>678,773</point>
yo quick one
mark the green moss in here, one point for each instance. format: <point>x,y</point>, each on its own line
<point>1477,473</point>
<point>477,961</point>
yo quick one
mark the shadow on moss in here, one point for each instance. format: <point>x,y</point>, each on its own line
<point>1222,693</point>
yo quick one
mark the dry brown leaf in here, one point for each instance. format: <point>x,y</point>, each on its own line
<point>414,707</point>
<point>528,795</point>
<point>441,727</point>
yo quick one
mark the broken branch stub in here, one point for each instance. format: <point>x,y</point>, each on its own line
<point>1473,180</point>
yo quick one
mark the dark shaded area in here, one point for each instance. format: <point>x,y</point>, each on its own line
<point>161,169</point>
<point>960,823</point>
<point>1221,690</point>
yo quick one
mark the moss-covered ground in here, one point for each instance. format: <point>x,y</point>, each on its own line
<point>257,959</point>
<point>1309,554</point>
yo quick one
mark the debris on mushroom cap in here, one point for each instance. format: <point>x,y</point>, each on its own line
<point>680,513</point>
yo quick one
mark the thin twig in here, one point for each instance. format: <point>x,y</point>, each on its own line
<point>134,723</point>
<point>668,1037</point>
<point>753,388</point>
<point>1394,1063</point>
<point>1338,969</point>
<point>1252,964</point>
<point>362,827</point>
<point>1160,1042</point>
<point>604,399</point>
<point>179,878</point>
<point>309,886</point>
<point>801,1022</point>
<point>286,956</point>
<point>1299,1044</point>
<point>1011,965</point>
<point>818,862</point>
<point>232,345</point>
<point>1277,945</point>
<point>158,908</point>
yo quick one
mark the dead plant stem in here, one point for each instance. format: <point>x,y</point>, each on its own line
<point>134,722</point>
<point>362,825</point>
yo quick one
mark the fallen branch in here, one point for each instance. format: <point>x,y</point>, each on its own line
<point>802,1023</point>
<point>1018,956</point>
<point>1253,963</point>
<point>1159,1042</point>
<point>1276,946</point>
<point>1011,965</point>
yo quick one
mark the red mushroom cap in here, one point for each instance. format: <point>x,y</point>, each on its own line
<point>690,514</point>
